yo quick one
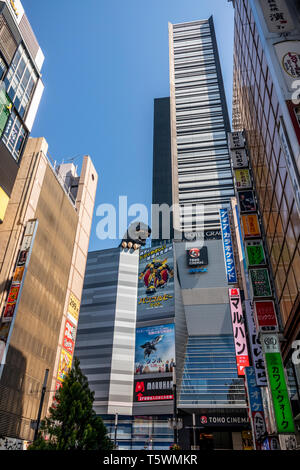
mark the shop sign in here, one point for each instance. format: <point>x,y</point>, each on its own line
<point>73,308</point>
<point>242,179</point>
<point>288,54</point>
<point>260,282</point>
<point>228,247</point>
<point>266,315</point>
<point>256,406</point>
<point>197,256</point>
<point>148,390</point>
<point>255,253</point>
<point>239,333</point>
<point>236,140</point>
<point>250,226</point>
<point>277,16</point>
<point>246,201</point>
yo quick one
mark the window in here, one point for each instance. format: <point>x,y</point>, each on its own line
<point>14,135</point>
<point>20,81</point>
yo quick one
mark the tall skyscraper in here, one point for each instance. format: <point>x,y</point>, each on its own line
<point>266,109</point>
<point>43,248</point>
<point>201,171</point>
<point>21,89</point>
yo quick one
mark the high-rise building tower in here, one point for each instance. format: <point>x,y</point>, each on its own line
<point>21,89</point>
<point>43,248</point>
<point>201,172</point>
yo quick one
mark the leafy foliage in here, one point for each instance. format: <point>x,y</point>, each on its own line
<point>72,423</point>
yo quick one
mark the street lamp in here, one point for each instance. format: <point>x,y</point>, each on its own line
<point>175,423</point>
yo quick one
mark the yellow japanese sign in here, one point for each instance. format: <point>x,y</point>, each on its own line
<point>4,199</point>
<point>74,306</point>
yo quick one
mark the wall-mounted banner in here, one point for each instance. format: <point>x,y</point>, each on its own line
<point>236,140</point>
<point>255,345</point>
<point>69,337</point>
<point>155,349</point>
<point>156,279</point>
<point>294,110</point>
<point>242,179</point>
<point>228,247</point>
<point>246,201</point>
<point>250,225</point>
<point>255,253</point>
<point>239,159</point>
<point>256,407</point>
<point>277,16</point>
<point>265,315</point>
<point>288,442</point>
<point>239,333</point>
<point>148,390</point>
<point>4,199</point>
<point>288,53</point>
<point>260,282</point>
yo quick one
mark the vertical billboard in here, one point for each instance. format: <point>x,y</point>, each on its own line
<point>154,362</point>
<point>228,247</point>
<point>255,345</point>
<point>156,282</point>
<point>277,382</point>
<point>239,332</point>
<point>256,407</point>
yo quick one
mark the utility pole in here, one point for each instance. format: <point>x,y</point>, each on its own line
<point>41,404</point>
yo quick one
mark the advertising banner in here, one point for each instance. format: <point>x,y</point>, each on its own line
<point>73,308</point>
<point>239,159</point>
<point>4,200</point>
<point>228,247</point>
<point>256,407</point>
<point>156,279</point>
<point>239,333</point>
<point>236,140</point>
<point>147,390</point>
<point>65,364</point>
<point>277,16</point>
<point>256,348</point>
<point>260,282</point>
<point>242,179</point>
<point>255,253</point>
<point>155,349</point>
<point>277,383</point>
<point>265,315</point>
<point>250,225</point>
<point>69,337</point>
<point>246,201</point>
<point>288,53</point>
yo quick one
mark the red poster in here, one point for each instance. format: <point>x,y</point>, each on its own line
<point>265,314</point>
<point>9,312</point>
<point>13,294</point>
<point>69,337</point>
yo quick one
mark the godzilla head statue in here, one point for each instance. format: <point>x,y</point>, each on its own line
<point>136,235</point>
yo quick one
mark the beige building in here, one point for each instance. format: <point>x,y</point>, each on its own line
<point>43,248</point>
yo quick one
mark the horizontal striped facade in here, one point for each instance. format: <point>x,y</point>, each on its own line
<point>202,157</point>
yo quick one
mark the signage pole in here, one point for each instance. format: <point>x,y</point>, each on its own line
<point>175,406</point>
<point>116,430</point>
<point>41,405</point>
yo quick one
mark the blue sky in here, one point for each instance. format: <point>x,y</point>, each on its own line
<point>105,62</point>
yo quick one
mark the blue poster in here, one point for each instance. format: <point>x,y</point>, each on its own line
<point>228,247</point>
<point>155,349</point>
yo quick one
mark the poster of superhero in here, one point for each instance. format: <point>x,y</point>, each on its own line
<point>155,349</point>
<point>156,278</point>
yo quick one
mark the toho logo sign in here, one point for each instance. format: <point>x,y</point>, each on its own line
<point>224,420</point>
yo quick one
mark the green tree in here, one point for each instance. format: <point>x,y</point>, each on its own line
<point>73,424</point>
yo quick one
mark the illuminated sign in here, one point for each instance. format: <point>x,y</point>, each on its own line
<point>239,333</point>
<point>242,179</point>
<point>266,315</point>
<point>255,345</point>
<point>256,406</point>
<point>250,225</point>
<point>197,256</point>
<point>153,390</point>
<point>255,253</point>
<point>228,247</point>
<point>246,201</point>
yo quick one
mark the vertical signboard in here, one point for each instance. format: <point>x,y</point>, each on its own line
<point>265,315</point>
<point>256,407</point>
<point>228,247</point>
<point>260,282</point>
<point>277,384</point>
<point>255,345</point>
<point>11,305</point>
<point>239,333</point>
<point>277,16</point>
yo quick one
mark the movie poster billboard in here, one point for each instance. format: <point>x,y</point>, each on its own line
<point>155,349</point>
<point>156,280</point>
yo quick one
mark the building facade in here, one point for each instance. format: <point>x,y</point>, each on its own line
<point>265,107</point>
<point>201,172</point>
<point>21,89</point>
<point>44,242</point>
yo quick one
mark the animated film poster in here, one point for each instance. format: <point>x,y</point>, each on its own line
<point>155,349</point>
<point>156,279</point>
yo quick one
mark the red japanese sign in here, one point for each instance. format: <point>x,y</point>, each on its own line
<point>266,315</point>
